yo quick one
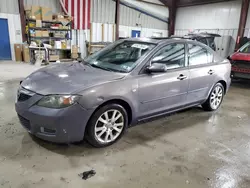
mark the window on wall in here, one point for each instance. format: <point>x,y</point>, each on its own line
<point>172,55</point>
<point>199,55</point>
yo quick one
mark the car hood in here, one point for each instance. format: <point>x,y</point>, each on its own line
<point>67,78</point>
<point>238,56</point>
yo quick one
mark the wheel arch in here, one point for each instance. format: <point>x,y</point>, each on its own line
<point>121,102</point>
<point>224,85</point>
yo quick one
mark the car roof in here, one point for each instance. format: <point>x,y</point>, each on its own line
<point>157,40</point>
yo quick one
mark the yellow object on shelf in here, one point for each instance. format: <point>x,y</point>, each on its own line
<point>31,24</point>
<point>64,45</point>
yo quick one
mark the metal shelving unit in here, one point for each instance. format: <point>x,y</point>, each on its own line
<point>50,29</point>
<point>51,38</point>
<point>46,26</point>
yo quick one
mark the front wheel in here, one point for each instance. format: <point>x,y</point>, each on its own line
<point>107,125</point>
<point>215,98</point>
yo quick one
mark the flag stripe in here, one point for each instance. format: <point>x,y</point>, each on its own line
<point>88,19</point>
<point>80,12</point>
<point>84,13</point>
<point>66,5</point>
<point>73,12</point>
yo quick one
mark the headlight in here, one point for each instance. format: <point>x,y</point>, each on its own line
<point>58,101</point>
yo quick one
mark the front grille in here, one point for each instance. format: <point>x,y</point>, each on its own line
<point>25,123</point>
<point>23,97</point>
<point>241,64</point>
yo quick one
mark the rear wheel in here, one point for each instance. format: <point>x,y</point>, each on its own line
<point>215,98</point>
<point>107,125</point>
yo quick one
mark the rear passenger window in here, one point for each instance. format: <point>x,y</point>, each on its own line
<point>172,55</point>
<point>199,55</point>
<point>204,41</point>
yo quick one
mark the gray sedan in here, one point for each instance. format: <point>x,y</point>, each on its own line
<point>128,81</point>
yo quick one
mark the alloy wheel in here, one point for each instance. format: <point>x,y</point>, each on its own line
<point>216,97</point>
<point>109,126</point>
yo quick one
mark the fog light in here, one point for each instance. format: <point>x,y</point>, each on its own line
<point>47,131</point>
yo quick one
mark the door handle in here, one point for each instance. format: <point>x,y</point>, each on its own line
<point>182,77</point>
<point>210,72</point>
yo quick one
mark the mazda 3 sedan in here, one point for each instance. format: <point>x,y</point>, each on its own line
<point>128,81</point>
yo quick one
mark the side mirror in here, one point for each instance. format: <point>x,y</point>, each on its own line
<point>157,67</point>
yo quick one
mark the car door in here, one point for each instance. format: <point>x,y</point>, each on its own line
<point>201,72</point>
<point>164,91</point>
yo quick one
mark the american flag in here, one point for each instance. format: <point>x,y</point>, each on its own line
<point>80,11</point>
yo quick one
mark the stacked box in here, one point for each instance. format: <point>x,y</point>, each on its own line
<point>18,52</point>
<point>74,52</point>
<point>36,12</point>
<point>46,14</point>
<point>26,53</point>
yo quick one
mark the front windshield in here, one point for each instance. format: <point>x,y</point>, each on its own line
<point>245,48</point>
<point>120,56</point>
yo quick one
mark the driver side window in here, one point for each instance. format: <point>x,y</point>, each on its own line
<point>172,55</point>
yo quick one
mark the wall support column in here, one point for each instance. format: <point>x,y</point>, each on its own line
<point>243,20</point>
<point>23,19</point>
<point>117,19</point>
<point>172,16</point>
<point>172,7</point>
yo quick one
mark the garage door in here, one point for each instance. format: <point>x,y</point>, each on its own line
<point>5,53</point>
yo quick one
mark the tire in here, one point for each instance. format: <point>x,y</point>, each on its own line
<point>103,123</point>
<point>209,105</point>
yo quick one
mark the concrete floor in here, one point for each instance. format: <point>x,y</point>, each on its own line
<point>187,149</point>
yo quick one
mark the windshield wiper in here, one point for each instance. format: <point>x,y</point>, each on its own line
<point>99,67</point>
<point>85,63</point>
<point>103,68</point>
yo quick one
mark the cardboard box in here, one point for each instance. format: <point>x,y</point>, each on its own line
<point>62,18</point>
<point>74,56</point>
<point>59,34</point>
<point>46,14</point>
<point>26,53</point>
<point>74,49</point>
<point>27,10</point>
<point>38,33</point>
<point>53,57</point>
<point>38,23</point>
<point>36,12</point>
<point>45,33</point>
<point>18,52</point>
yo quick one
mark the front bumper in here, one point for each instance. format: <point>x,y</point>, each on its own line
<point>65,125</point>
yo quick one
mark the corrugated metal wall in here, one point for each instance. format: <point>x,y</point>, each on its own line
<point>9,6</point>
<point>223,15</point>
<point>103,11</point>
<point>53,4</point>
<point>131,17</point>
